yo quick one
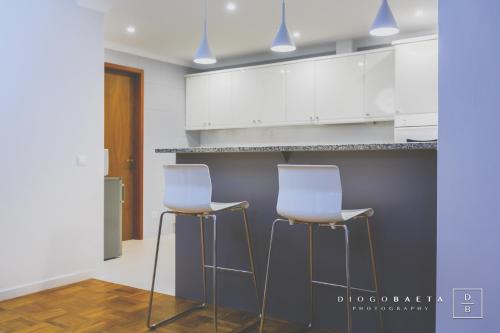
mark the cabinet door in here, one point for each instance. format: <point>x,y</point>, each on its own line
<point>243,97</point>
<point>379,84</point>
<point>300,92</point>
<point>219,105</point>
<point>339,88</point>
<point>196,102</point>
<point>270,95</point>
<point>417,77</point>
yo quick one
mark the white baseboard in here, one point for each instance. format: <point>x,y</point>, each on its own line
<point>34,287</point>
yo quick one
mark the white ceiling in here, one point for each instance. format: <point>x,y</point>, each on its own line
<point>170,29</point>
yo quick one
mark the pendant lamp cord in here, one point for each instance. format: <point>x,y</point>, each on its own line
<point>283,14</point>
<point>205,21</point>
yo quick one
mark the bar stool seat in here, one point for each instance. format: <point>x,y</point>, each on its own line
<point>346,215</point>
<point>221,206</point>
<point>312,195</point>
<point>188,192</point>
<point>215,207</point>
<point>349,214</point>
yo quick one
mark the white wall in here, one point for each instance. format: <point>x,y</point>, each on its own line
<point>325,134</point>
<point>51,211</point>
<point>164,104</point>
<point>468,251</point>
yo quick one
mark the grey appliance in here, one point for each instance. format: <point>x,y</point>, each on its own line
<point>113,204</point>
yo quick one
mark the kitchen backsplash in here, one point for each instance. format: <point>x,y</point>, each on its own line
<point>381,132</point>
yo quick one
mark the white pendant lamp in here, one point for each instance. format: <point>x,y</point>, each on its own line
<point>204,55</point>
<point>283,42</point>
<point>384,24</point>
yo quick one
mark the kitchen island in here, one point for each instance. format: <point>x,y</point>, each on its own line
<point>397,180</point>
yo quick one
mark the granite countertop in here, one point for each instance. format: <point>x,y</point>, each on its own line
<point>319,147</point>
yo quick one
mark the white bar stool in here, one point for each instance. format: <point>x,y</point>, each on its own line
<point>312,195</point>
<point>188,192</point>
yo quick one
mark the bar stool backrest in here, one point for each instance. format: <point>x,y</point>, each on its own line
<point>188,188</point>
<point>310,193</point>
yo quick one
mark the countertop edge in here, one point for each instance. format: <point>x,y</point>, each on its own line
<point>304,148</point>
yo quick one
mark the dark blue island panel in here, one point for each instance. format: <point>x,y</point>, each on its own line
<point>400,185</point>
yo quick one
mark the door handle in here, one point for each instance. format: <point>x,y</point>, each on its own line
<point>123,193</point>
<point>131,163</point>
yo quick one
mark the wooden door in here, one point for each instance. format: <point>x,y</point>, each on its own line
<point>123,138</point>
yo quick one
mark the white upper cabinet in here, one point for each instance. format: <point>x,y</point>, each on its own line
<point>340,88</point>
<point>243,97</point>
<point>270,95</point>
<point>348,88</point>
<point>417,77</point>
<point>197,102</point>
<point>379,85</point>
<point>208,101</point>
<point>219,100</point>
<point>300,92</point>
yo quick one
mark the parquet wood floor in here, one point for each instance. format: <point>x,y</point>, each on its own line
<point>98,306</point>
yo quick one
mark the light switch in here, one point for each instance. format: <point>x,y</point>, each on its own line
<point>82,160</point>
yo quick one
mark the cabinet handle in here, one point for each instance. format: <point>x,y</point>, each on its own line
<point>310,117</point>
<point>260,121</point>
<point>367,114</point>
<point>317,118</point>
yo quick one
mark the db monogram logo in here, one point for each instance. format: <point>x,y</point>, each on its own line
<point>467,303</point>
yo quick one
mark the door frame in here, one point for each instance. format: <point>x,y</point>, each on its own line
<point>138,74</point>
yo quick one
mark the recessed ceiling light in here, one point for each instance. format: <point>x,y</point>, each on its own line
<point>231,6</point>
<point>297,34</point>
<point>130,29</point>
<point>419,13</point>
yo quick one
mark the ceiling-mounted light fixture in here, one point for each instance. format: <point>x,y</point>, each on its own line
<point>384,24</point>
<point>231,6</point>
<point>282,42</point>
<point>204,55</point>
